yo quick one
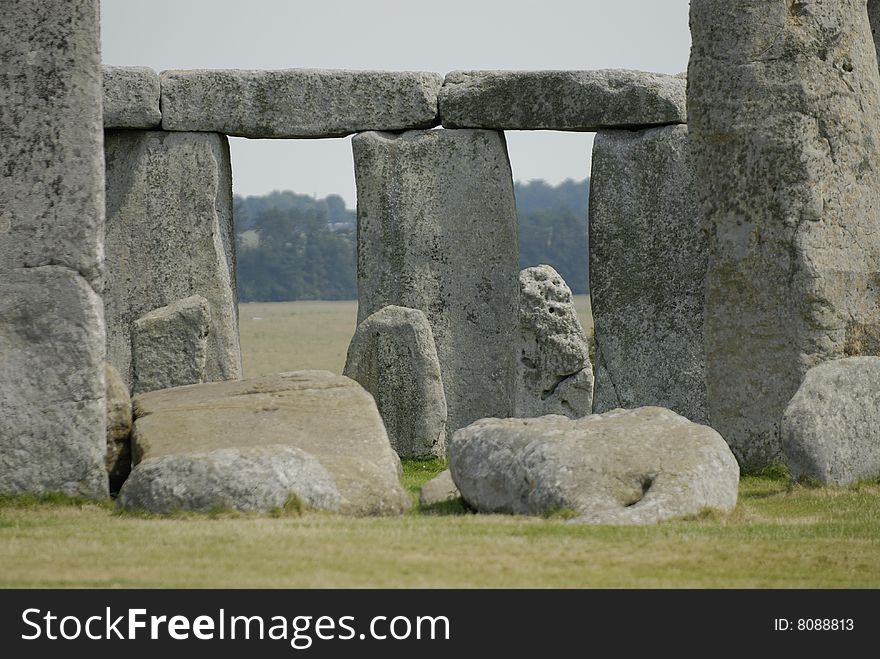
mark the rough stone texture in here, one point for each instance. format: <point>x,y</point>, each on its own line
<point>298,102</point>
<point>119,419</point>
<point>52,405</point>
<point>131,97</point>
<point>255,479</point>
<point>874,20</point>
<point>553,370</point>
<point>169,345</point>
<point>784,114</point>
<point>623,467</point>
<point>437,231</point>
<point>328,416</point>
<point>561,100</point>
<point>647,270</point>
<point>439,489</point>
<point>51,166</point>
<point>169,236</point>
<point>831,428</point>
<point>392,355</point>
<point>51,384</point>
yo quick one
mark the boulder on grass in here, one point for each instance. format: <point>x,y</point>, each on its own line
<point>831,427</point>
<point>327,416</point>
<point>439,489</point>
<point>623,467</point>
<point>255,479</point>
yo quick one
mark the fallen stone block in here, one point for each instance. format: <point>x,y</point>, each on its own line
<point>439,489</point>
<point>624,467</point>
<point>328,416</point>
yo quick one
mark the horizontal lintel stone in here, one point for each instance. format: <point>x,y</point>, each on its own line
<point>298,103</point>
<point>562,100</point>
<point>131,97</point>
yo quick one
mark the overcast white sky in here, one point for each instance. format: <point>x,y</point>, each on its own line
<point>650,35</point>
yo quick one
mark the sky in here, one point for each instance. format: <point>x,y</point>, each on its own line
<point>396,35</point>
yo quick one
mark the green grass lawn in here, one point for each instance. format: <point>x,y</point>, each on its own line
<point>778,536</point>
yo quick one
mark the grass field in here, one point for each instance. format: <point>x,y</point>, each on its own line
<point>290,336</point>
<point>779,536</point>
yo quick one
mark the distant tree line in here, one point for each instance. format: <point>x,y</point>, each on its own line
<point>295,247</point>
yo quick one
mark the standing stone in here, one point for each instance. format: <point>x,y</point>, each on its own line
<point>647,271</point>
<point>169,345</point>
<point>52,406</point>
<point>131,97</point>
<point>831,428</point>
<point>553,370</point>
<point>170,236</point>
<point>119,421</point>
<point>51,384</point>
<point>784,120</point>
<point>437,231</point>
<point>392,355</point>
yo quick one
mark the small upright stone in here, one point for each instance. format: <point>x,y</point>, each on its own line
<point>647,272</point>
<point>553,370</point>
<point>437,231</point>
<point>392,355</point>
<point>119,420</point>
<point>831,427</point>
<point>169,345</point>
<point>131,97</point>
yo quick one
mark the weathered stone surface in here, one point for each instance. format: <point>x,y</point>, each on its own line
<point>439,489</point>
<point>52,405</point>
<point>131,97</point>
<point>169,236</point>
<point>255,479</point>
<point>51,167</point>
<point>437,231</point>
<point>298,102</point>
<point>328,416</point>
<point>623,467</point>
<point>831,427</point>
<point>392,355</point>
<point>784,114</point>
<point>874,20</point>
<point>647,270</point>
<point>561,100</point>
<point>169,345</point>
<point>119,418</point>
<point>51,384</point>
<point>553,370</point>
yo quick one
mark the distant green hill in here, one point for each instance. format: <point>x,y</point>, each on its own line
<point>294,247</point>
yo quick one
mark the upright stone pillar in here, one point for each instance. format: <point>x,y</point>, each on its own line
<point>647,268</point>
<point>52,398</point>
<point>170,236</point>
<point>437,231</point>
<point>784,114</point>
